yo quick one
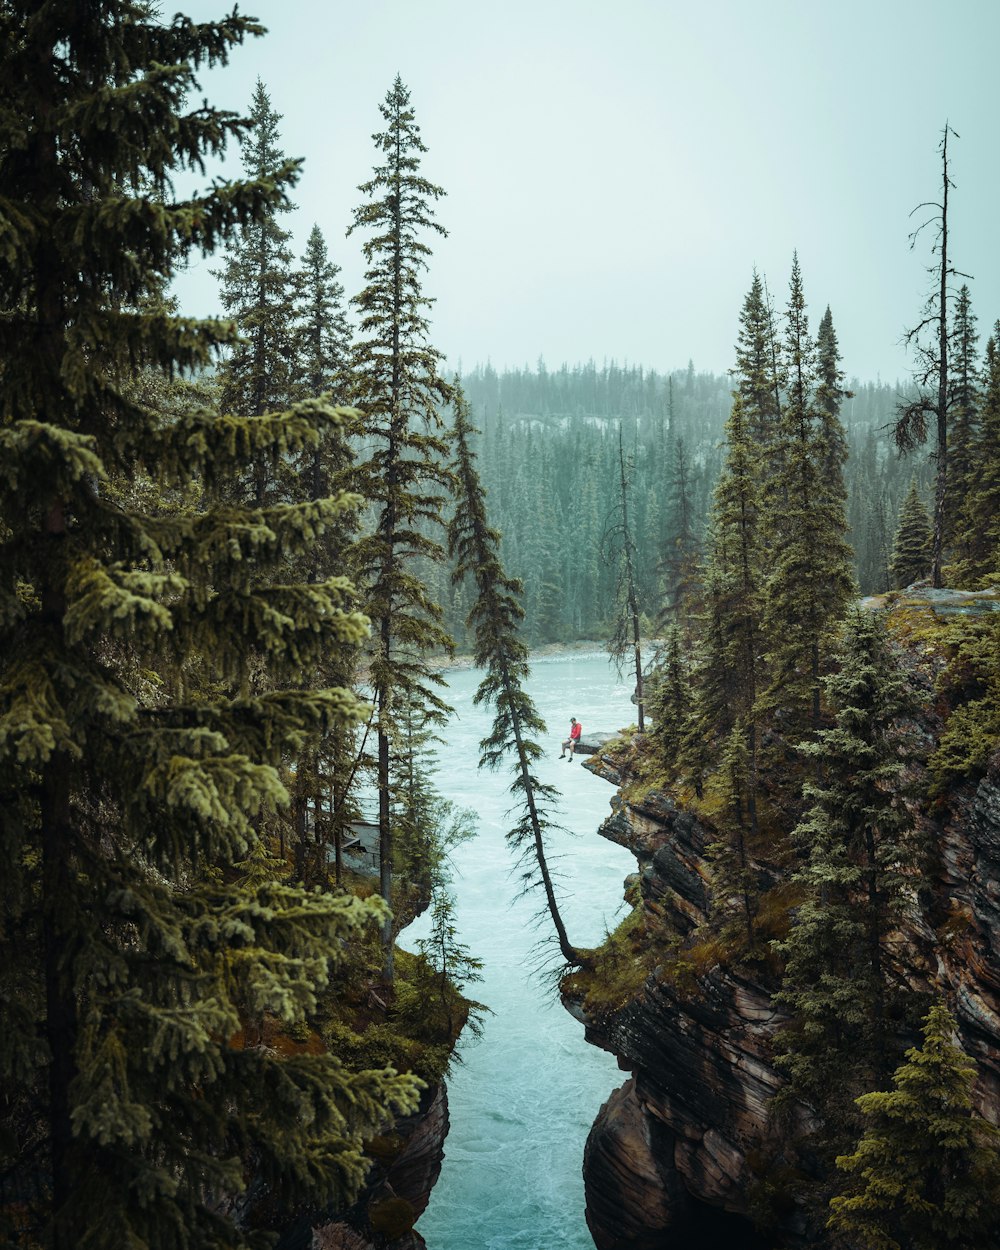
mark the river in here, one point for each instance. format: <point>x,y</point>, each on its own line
<point>524,1097</point>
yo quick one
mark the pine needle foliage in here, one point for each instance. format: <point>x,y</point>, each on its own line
<point>810,581</point>
<point>861,872</point>
<point>979,538</point>
<point>135,769</point>
<point>963,401</point>
<point>619,550</point>
<point>494,619</point>
<point>323,333</point>
<point>736,578</point>
<point>911,552</point>
<point>404,473</point>
<point>927,1168</point>
<point>257,290</point>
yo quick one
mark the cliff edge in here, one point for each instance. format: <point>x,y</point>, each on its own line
<point>696,1147</point>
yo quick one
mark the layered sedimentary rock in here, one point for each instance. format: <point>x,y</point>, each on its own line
<point>694,1125</point>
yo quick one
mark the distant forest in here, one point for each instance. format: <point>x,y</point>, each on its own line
<point>548,456</point>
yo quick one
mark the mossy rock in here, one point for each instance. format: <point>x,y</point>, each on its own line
<point>384,1149</point>
<point>392,1217</point>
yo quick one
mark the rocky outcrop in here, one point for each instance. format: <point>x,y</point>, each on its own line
<point>966,957</point>
<point>591,743</point>
<point>694,1126</point>
<point>406,1167</point>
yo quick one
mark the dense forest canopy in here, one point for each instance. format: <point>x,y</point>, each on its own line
<point>547,447</point>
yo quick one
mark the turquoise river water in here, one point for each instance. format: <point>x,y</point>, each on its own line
<point>523,1100</point>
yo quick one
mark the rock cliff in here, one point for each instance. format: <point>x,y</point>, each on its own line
<point>407,1166</point>
<point>688,1148</point>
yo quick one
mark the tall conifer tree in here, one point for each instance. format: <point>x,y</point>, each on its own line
<point>258,293</point>
<point>980,534</point>
<point>758,366</point>
<point>620,551</point>
<point>861,872</point>
<point>397,386</point>
<point>736,576</point>
<point>811,578</point>
<point>323,334</point>
<point>964,418</point>
<point>927,1166</point>
<point>131,787</point>
<point>912,549</point>
<point>495,618</point>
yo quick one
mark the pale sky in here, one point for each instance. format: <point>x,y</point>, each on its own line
<point>615,169</point>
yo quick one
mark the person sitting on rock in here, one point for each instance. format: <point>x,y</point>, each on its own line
<point>575,729</point>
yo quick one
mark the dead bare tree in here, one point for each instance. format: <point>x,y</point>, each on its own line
<point>929,342</point>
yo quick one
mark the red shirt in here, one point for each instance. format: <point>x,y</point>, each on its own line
<point>575,731</point>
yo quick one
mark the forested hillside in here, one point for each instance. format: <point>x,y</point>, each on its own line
<point>548,449</point>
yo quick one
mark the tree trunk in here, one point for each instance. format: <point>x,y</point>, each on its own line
<point>941,453</point>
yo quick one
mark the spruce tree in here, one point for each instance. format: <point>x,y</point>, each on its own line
<point>495,617</point>
<point>810,581</point>
<point>620,551</point>
<point>258,294</point>
<point>963,403</point>
<point>830,396</point>
<point>679,564</point>
<point>397,387</point>
<point>134,774</point>
<point>861,872</point>
<point>736,576</point>
<point>911,552</point>
<point>979,538</point>
<point>321,342</point>
<point>927,1168</point>
<point>670,701</point>
<point>322,331</point>
<point>758,359</point>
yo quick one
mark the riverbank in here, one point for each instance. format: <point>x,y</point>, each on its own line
<point>584,648</point>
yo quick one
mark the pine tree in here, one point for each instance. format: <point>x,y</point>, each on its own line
<point>670,701</point>
<point>963,405</point>
<point>911,552</point>
<point>736,576</point>
<point>758,367</point>
<point>979,538</point>
<point>679,564</point>
<point>810,581</point>
<point>927,1166</point>
<point>324,336</point>
<point>258,293</point>
<point>861,872</point>
<point>398,390</point>
<point>495,617</point>
<point>134,774</point>
<point>452,966</point>
<point>321,344</point>
<point>620,551</point>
